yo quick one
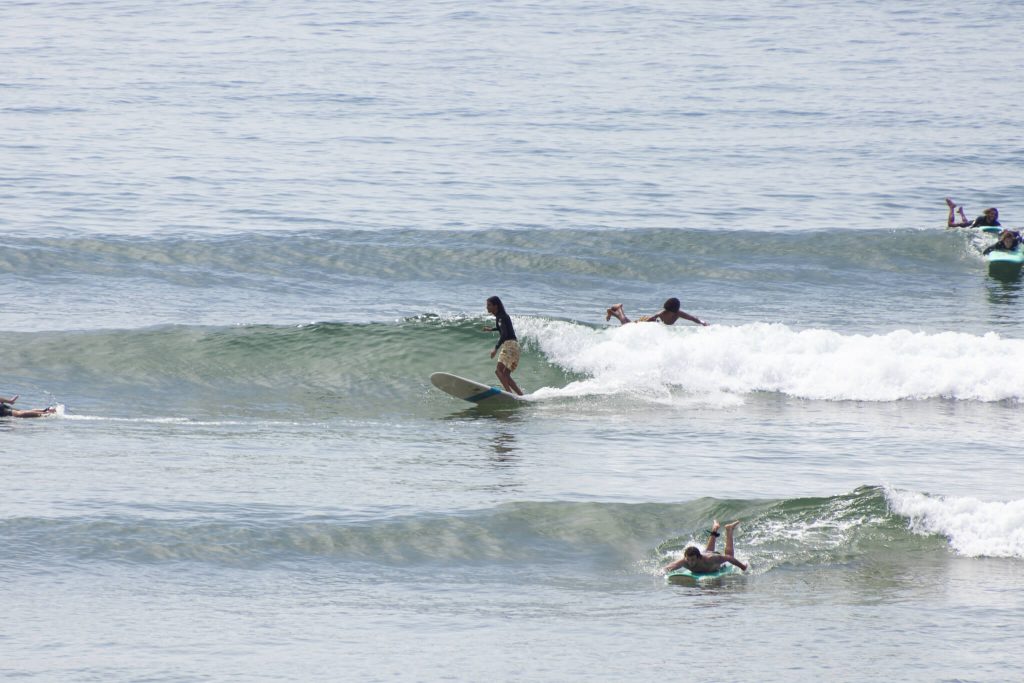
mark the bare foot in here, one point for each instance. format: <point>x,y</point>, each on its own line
<point>950,203</point>
<point>612,311</point>
<point>733,525</point>
<point>715,526</point>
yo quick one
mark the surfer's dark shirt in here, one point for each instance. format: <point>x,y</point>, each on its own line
<point>999,246</point>
<point>505,331</point>
<point>984,222</point>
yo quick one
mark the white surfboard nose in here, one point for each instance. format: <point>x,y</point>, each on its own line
<point>468,390</point>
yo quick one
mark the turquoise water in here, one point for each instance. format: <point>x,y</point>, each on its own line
<point>240,236</point>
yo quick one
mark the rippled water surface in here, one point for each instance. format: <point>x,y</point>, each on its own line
<point>240,236</point>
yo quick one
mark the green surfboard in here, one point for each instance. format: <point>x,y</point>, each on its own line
<point>685,576</point>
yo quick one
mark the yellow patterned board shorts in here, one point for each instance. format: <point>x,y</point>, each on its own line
<point>508,354</point>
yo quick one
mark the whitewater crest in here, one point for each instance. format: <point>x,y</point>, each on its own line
<point>817,364</point>
<point>975,528</point>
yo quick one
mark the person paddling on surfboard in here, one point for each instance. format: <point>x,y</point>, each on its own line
<point>989,218</point>
<point>708,561</point>
<point>1008,241</point>
<point>507,347</point>
<point>7,411</point>
<point>668,314</point>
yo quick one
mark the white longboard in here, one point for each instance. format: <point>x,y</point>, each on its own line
<point>471,391</point>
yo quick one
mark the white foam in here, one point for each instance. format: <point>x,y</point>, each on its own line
<point>175,421</point>
<point>811,364</point>
<point>141,420</point>
<point>974,528</point>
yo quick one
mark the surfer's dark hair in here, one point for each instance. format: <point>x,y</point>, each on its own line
<point>497,302</point>
<point>671,305</point>
<point>691,551</point>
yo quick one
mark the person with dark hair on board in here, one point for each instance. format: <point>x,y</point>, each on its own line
<point>989,218</point>
<point>7,411</point>
<point>668,314</point>
<point>1008,241</point>
<point>507,347</point>
<point>708,561</point>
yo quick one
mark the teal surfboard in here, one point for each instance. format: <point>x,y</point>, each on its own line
<point>686,576</point>
<point>1005,264</point>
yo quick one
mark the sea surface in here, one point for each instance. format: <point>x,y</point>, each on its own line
<point>238,236</point>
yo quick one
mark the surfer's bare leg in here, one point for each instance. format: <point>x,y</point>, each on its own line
<point>729,528</point>
<point>10,400</point>
<point>951,221</point>
<point>730,554</point>
<point>710,548</point>
<point>618,313</point>
<point>505,377</point>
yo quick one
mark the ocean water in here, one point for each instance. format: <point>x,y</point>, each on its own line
<point>239,236</point>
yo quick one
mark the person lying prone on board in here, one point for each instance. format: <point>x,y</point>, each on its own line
<point>7,411</point>
<point>988,218</point>
<point>708,561</point>
<point>1008,241</point>
<point>668,314</point>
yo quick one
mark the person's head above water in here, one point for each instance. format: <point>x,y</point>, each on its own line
<point>671,305</point>
<point>494,305</point>
<point>992,212</point>
<point>691,552</point>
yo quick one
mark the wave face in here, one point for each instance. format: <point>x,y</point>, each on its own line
<point>863,280</point>
<point>347,256</point>
<point>865,524</point>
<point>377,368</point>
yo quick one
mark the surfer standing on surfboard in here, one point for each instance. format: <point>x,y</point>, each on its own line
<point>507,347</point>
<point>708,561</point>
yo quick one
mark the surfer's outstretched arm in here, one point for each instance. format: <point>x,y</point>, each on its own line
<point>692,318</point>
<point>35,412</point>
<point>733,560</point>
<point>674,565</point>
